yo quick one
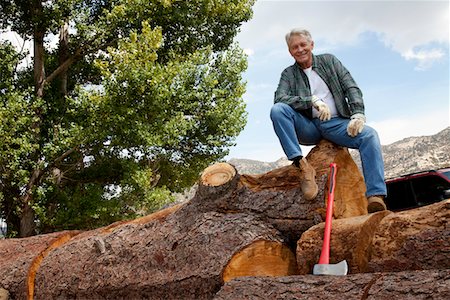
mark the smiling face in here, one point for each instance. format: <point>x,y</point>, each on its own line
<point>301,48</point>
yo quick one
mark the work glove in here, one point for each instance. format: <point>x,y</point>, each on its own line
<point>322,107</point>
<point>356,124</point>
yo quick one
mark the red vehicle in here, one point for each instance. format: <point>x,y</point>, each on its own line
<point>418,189</point>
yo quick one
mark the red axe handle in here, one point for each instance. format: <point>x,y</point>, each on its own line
<point>325,254</point>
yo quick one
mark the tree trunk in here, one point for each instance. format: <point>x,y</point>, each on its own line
<point>16,259</point>
<point>161,259</point>
<point>63,55</point>
<point>416,239</point>
<point>351,239</point>
<point>27,225</point>
<point>276,196</point>
<point>429,284</point>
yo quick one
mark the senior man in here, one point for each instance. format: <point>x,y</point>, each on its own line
<point>317,98</point>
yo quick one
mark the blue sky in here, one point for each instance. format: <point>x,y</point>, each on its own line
<point>397,51</point>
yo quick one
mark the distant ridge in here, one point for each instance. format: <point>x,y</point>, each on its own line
<point>412,154</point>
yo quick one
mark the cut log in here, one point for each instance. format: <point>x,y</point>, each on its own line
<point>411,240</point>
<point>4,294</point>
<point>261,258</point>
<point>350,188</point>
<point>276,196</point>
<point>351,239</point>
<point>416,239</point>
<point>159,260</point>
<point>429,284</point>
<point>18,257</point>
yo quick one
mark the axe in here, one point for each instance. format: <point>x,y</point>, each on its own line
<point>324,267</point>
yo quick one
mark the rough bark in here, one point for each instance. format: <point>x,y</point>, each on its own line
<point>382,242</point>
<point>429,284</point>
<point>17,257</point>
<point>276,196</point>
<point>350,188</point>
<point>161,259</point>
<point>413,240</point>
<point>351,239</point>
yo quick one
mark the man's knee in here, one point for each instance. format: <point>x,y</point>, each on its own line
<point>371,133</point>
<point>279,110</point>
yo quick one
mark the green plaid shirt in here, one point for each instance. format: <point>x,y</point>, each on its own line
<point>294,88</point>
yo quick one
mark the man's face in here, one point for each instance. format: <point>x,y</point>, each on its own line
<point>300,49</point>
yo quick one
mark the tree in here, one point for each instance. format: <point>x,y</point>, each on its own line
<point>136,98</point>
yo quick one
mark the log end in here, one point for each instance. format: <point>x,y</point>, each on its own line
<point>218,174</point>
<point>261,258</point>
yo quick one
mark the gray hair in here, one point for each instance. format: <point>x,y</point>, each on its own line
<point>300,32</point>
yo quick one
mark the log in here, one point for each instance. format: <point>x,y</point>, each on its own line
<point>276,196</point>
<point>350,188</point>
<point>158,260</point>
<point>349,199</point>
<point>428,284</point>
<point>261,258</point>
<point>19,255</point>
<point>351,239</point>
<point>416,239</point>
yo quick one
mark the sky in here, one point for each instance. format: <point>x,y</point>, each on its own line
<point>397,51</point>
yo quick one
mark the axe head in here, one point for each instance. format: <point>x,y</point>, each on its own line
<point>331,269</point>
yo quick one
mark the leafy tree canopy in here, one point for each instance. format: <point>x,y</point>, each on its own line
<point>136,98</point>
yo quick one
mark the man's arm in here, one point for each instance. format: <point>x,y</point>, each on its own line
<point>354,99</point>
<point>351,90</point>
<point>286,93</point>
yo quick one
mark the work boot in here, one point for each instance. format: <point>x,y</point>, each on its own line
<point>376,203</point>
<point>308,180</point>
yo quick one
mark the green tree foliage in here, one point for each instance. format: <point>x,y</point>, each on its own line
<point>135,99</point>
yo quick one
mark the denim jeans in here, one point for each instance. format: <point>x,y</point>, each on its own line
<point>292,129</point>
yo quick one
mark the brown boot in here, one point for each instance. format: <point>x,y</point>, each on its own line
<point>376,203</point>
<point>308,180</point>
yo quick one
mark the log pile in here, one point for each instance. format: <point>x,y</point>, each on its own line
<point>242,237</point>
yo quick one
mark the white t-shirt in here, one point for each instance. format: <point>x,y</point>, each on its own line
<point>321,90</point>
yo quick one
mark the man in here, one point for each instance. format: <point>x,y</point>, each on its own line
<point>317,98</point>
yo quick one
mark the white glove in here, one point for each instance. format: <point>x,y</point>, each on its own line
<point>322,107</point>
<point>356,125</point>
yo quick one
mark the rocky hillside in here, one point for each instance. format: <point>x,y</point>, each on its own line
<point>417,154</point>
<point>409,155</point>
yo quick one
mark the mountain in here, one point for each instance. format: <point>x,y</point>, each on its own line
<point>409,155</point>
<point>249,166</point>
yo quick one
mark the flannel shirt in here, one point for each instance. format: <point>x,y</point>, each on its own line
<point>294,90</point>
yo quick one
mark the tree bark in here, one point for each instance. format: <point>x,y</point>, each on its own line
<point>63,55</point>
<point>429,284</point>
<point>412,240</point>
<point>276,196</point>
<point>351,240</point>
<point>416,239</point>
<point>17,256</point>
<point>161,259</point>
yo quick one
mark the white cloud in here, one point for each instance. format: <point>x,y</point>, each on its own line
<point>425,58</point>
<point>401,25</point>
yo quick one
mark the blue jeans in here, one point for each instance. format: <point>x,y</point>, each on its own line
<point>292,129</point>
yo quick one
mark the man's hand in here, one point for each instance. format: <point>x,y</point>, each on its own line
<point>356,125</point>
<point>322,107</point>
